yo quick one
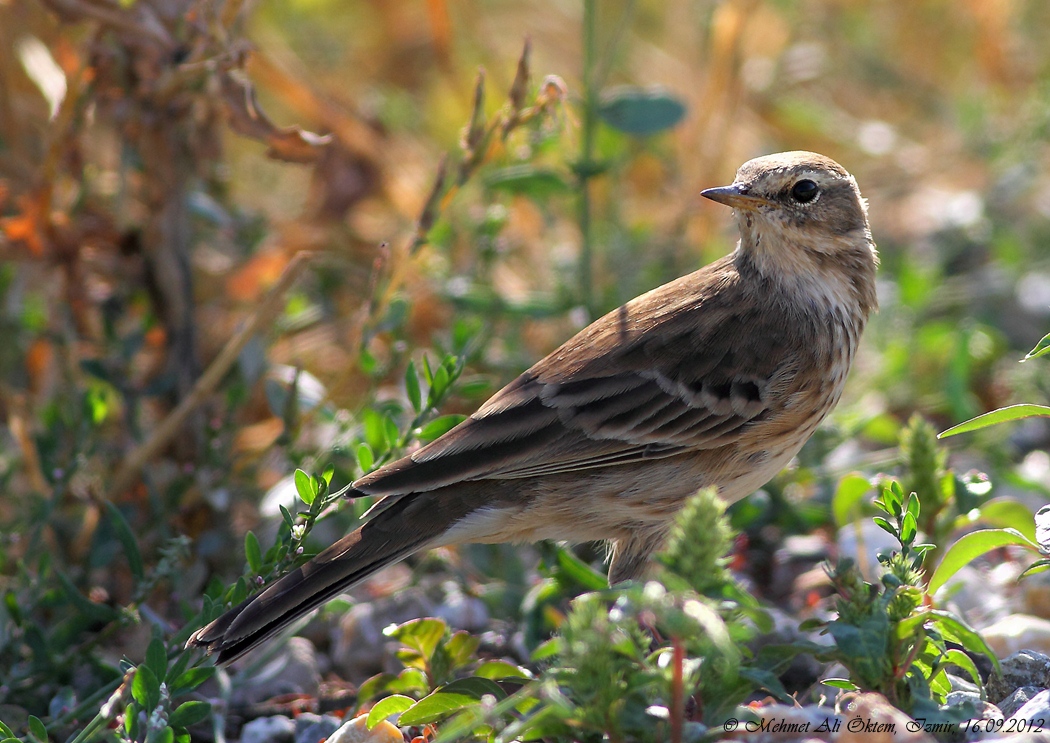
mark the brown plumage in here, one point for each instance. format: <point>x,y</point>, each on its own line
<point>717,378</point>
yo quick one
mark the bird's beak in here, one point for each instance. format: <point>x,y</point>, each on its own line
<point>736,196</point>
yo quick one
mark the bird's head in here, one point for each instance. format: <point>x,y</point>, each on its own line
<point>801,216</point>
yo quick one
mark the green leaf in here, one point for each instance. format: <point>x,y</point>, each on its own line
<point>501,669</point>
<point>191,679</point>
<point>908,528</point>
<point>189,713</point>
<point>182,660</point>
<point>580,572</point>
<point>252,551</point>
<point>409,681</point>
<point>849,494</point>
<point>475,686</point>
<point>37,729</point>
<point>145,688</point>
<point>157,658</point>
<point>415,395</point>
<point>436,706</point>
<point>306,486</point>
<point>961,659</point>
<point>954,629</point>
<point>1004,513</point>
<point>127,540</point>
<point>1039,566</point>
<point>1002,415</point>
<point>841,684</point>
<point>972,546</point>
<point>1041,348</point>
<point>427,373</point>
<point>769,681</point>
<point>374,430</point>
<point>438,386</point>
<point>527,180</point>
<point>131,721</point>
<point>373,686</point>
<point>461,647</point>
<point>884,525</point>
<point>548,649</point>
<point>640,111</point>
<point>439,427</point>
<point>384,708</point>
<point>392,432</point>
<point>913,506</point>
<point>365,457</point>
<point>97,403</point>
<point>422,635</point>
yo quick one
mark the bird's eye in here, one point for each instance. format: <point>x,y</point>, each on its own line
<point>804,191</point>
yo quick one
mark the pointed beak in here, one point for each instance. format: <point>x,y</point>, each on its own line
<point>736,196</point>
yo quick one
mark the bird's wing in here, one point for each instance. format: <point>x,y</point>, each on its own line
<point>667,373</point>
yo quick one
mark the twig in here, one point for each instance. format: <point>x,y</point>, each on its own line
<point>207,382</point>
<point>145,26</point>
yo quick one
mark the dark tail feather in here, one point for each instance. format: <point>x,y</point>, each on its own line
<point>384,540</point>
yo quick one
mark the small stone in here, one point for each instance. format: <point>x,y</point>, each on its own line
<point>780,722</point>
<point>1021,696</point>
<point>986,720</point>
<point>461,611</point>
<point>358,643</point>
<point>1036,710</point>
<point>311,728</point>
<point>870,718</point>
<point>1024,668</point>
<point>356,731</point>
<point>275,729</point>
<point>292,670</point>
<point>958,698</point>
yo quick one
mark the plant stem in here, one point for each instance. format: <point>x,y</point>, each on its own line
<point>585,168</point>
<point>677,692</point>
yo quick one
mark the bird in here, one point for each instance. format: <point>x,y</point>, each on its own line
<point>715,379</point>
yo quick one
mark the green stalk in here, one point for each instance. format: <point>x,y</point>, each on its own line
<point>585,168</point>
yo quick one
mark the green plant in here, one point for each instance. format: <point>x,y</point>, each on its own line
<point>886,634</point>
<point>1017,526</point>
<point>1011,412</point>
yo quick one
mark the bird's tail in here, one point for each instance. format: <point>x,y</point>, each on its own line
<point>382,541</point>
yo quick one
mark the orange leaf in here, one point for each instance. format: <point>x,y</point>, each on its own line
<point>257,275</point>
<point>38,362</point>
<point>27,227</point>
<point>258,436</point>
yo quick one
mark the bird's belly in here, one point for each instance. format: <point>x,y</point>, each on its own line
<point>616,502</point>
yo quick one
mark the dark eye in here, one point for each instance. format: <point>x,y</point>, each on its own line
<point>804,191</point>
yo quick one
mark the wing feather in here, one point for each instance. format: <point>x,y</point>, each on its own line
<point>649,380</point>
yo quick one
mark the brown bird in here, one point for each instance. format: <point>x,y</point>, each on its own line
<point>717,378</point>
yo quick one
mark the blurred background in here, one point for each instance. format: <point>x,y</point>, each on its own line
<point>163,161</point>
